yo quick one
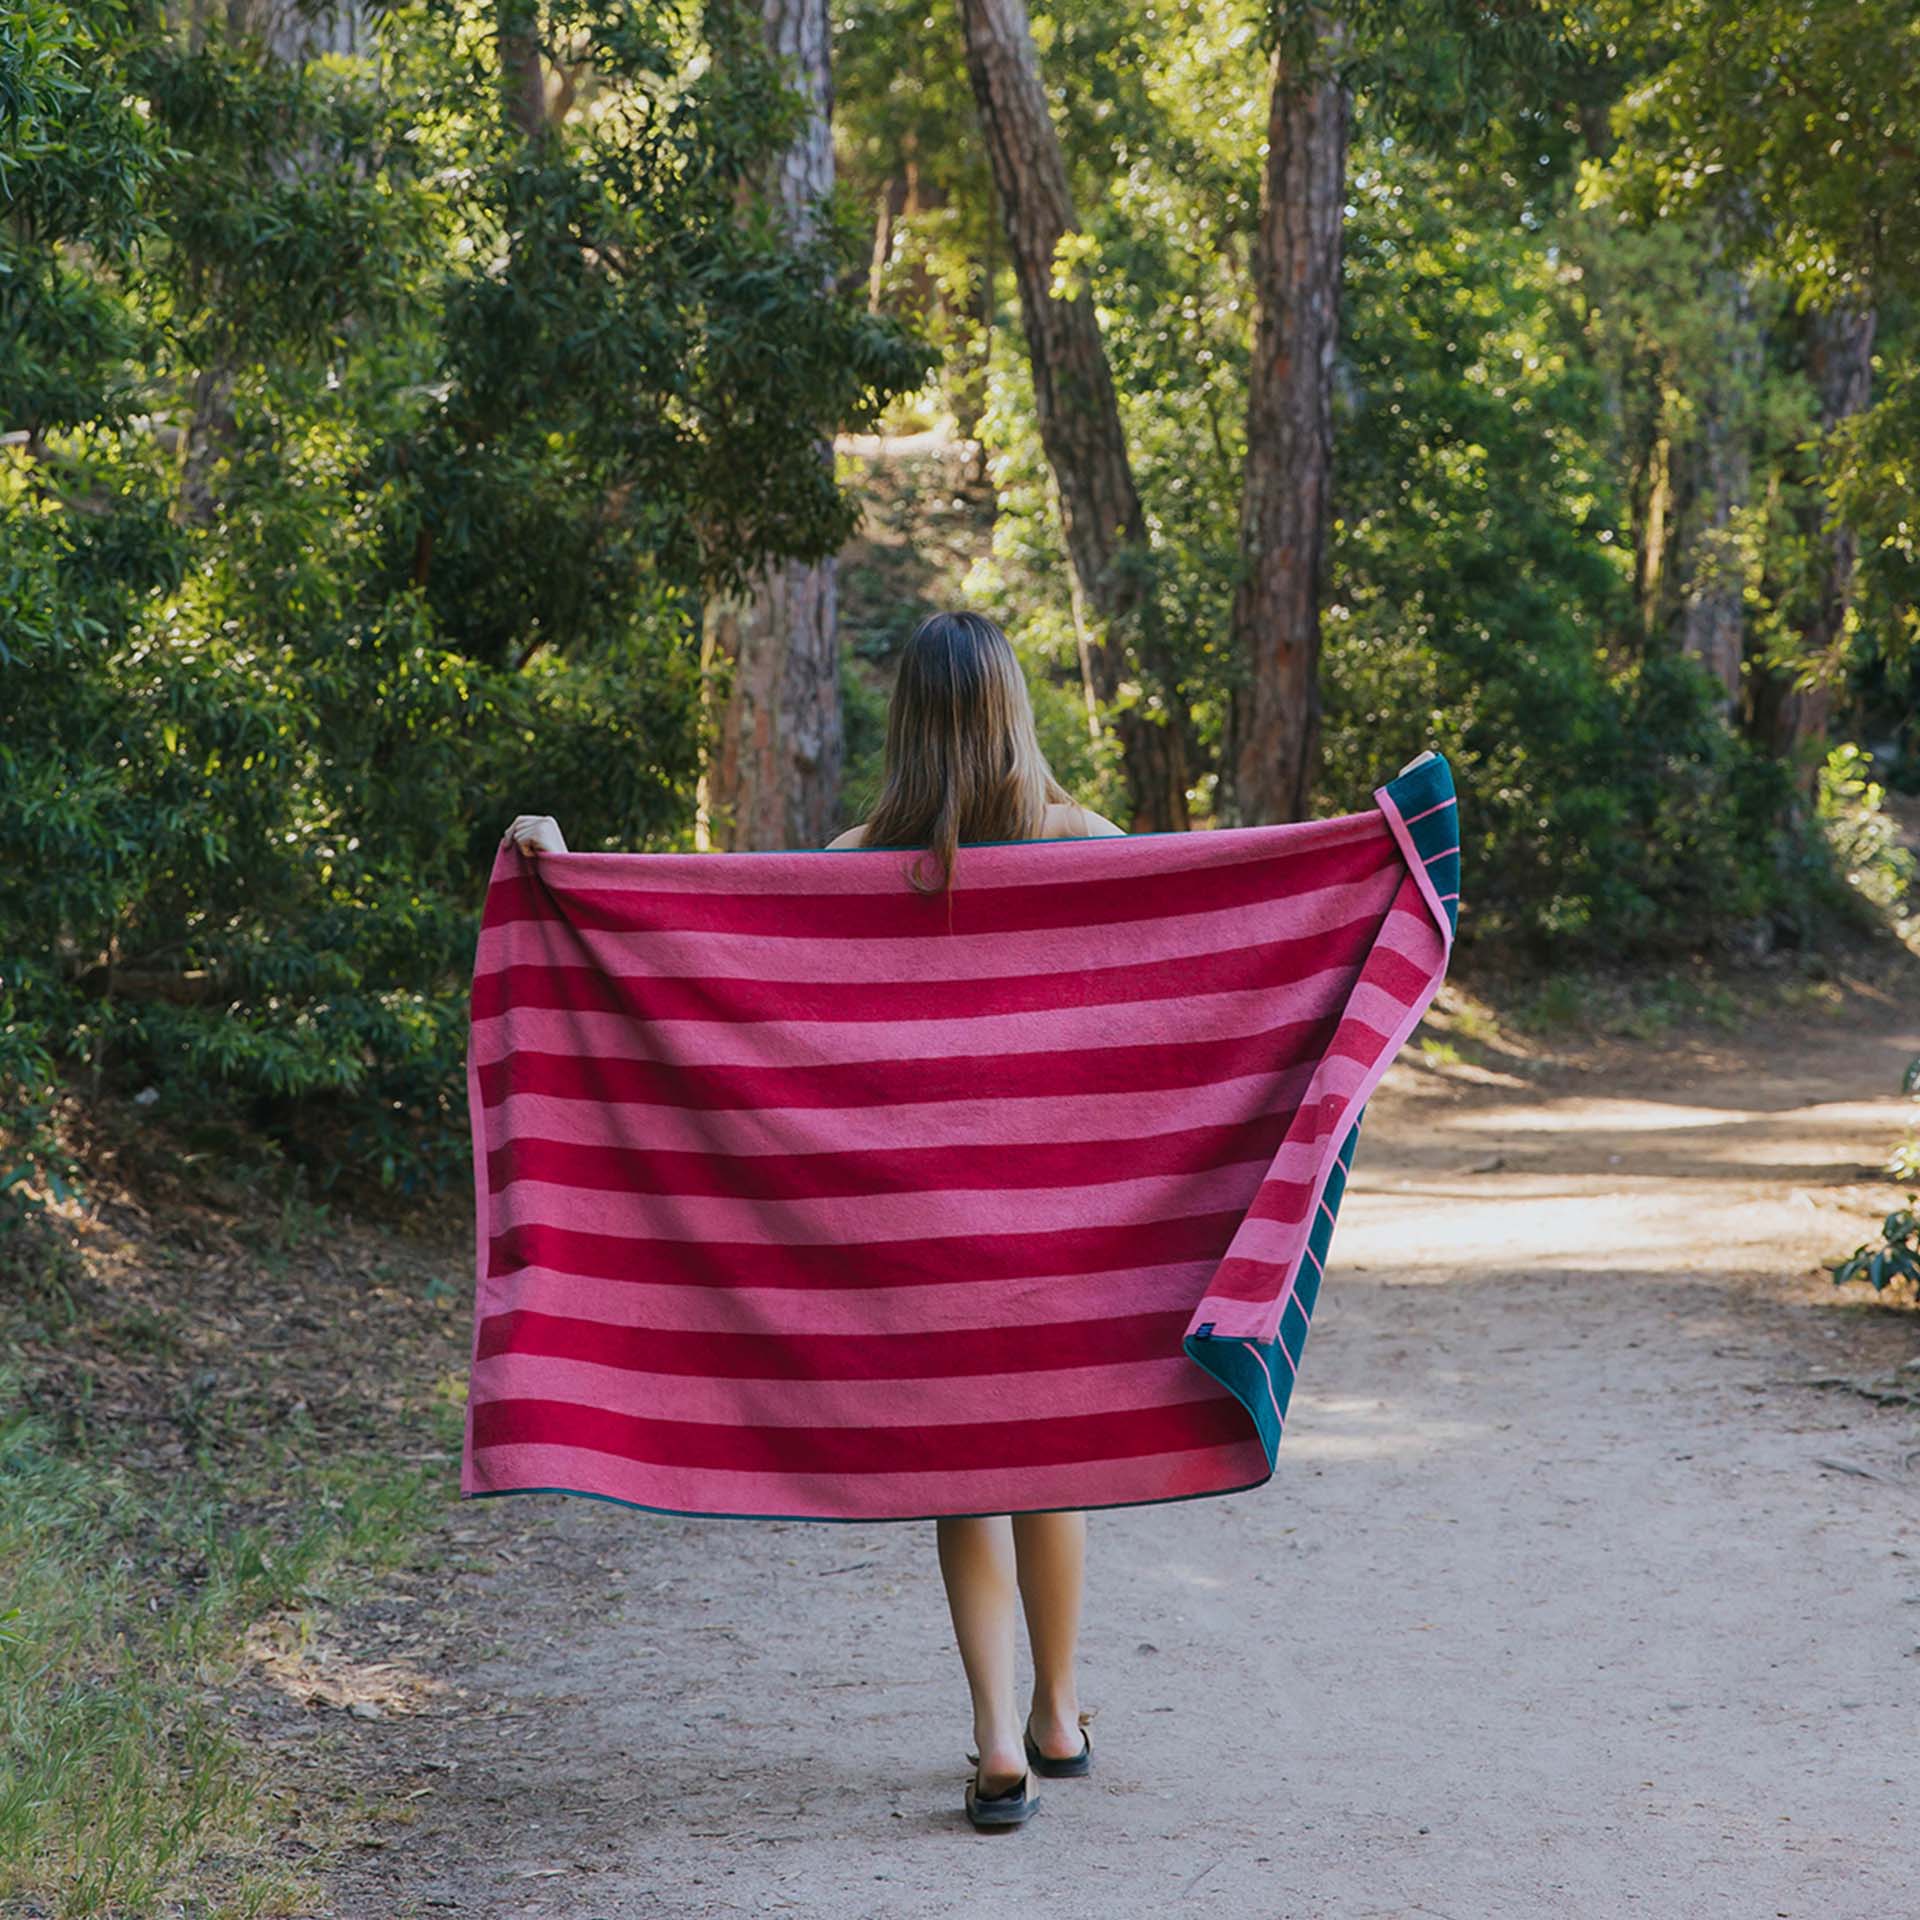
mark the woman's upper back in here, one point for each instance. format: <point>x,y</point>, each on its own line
<point>1066,820</point>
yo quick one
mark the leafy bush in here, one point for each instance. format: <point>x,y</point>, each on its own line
<point>373,457</point>
<point>1865,839</point>
<point>1895,1254</point>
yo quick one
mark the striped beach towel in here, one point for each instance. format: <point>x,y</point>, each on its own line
<point>804,1195</point>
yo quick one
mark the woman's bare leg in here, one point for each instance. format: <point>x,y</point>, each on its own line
<point>1050,1555</point>
<point>976,1560</point>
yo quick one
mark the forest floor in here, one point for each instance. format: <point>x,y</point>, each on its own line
<point>1588,1583</point>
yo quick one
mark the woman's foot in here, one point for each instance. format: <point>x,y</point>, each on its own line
<point>998,1765</point>
<point>1058,1733</point>
<point>1011,1804</point>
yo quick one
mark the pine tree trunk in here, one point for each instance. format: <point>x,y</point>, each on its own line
<point>773,775</point>
<point>1078,412</point>
<point>1712,623</point>
<point>523,81</point>
<point>292,33</point>
<point>1840,362</point>
<point>300,30</point>
<point>1273,723</point>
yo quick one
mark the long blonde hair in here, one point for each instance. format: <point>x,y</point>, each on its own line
<point>963,761</point>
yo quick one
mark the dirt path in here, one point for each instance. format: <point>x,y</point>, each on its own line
<point>1559,1604</point>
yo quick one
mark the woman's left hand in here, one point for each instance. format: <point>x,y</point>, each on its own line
<point>536,833</point>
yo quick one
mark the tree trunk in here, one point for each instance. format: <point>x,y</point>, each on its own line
<point>523,81</point>
<point>1712,624</point>
<point>293,33</point>
<point>1653,526</point>
<point>1273,721</point>
<point>1079,414</point>
<point>886,211</point>
<point>773,775</point>
<point>1794,720</point>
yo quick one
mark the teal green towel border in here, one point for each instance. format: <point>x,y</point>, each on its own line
<point>1261,1374</point>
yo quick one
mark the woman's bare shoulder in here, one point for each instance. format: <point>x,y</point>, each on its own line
<point>1068,820</point>
<point>853,837</point>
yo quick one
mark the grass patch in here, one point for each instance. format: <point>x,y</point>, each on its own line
<point>1648,1006</point>
<point>1463,1030</point>
<point>1474,1021</point>
<point>128,1598</point>
<point>1557,1005</point>
<point>210,1443</point>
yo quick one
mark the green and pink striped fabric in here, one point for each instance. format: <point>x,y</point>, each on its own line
<point>804,1195</point>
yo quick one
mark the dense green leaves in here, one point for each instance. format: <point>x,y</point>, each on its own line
<point>1532,386</point>
<point>374,427</point>
<point>367,460</point>
<point>1795,124</point>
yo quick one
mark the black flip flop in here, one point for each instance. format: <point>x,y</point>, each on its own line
<point>1012,1807</point>
<point>1076,1768</point>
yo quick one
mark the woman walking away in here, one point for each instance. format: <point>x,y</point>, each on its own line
<point>963,764</point>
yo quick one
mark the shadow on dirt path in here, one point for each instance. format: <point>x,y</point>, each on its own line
<point>1568,1599</point>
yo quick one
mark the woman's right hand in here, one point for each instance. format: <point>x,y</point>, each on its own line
<point>536,833</point>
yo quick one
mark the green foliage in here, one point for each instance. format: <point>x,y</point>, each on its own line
<point>1866,842</point>
<point>1783,133</point>
<point>1792,123</point>
<point>1504,356</point>
<point>864,719</point>
<point>1872,475</point>
<point>902,93</point>
<point>371,456</point>
<point>1891,1258</point>
<point>121,1783</point>
<point>1477,574</point>
<point>1894,1255</point>
<point>369,450</point>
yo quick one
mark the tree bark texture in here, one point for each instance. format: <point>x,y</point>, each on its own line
<point>1840,365</point>
<point>1712,624</point>
<point>1273,721</point>
<point>292,34</point>
<point>1078,412</point>
<point>773,775</point>
<point>297,32</point>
